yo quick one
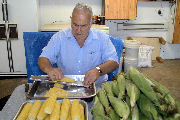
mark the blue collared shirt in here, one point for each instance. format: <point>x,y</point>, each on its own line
<point>63,50</point>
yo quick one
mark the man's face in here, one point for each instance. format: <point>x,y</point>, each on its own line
<point>80,23</point>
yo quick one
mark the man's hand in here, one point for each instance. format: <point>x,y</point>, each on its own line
<point>91,76</point>
<point>55,74</point>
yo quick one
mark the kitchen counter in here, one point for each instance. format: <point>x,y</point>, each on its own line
<point>166,73</point>
<point>57,27</point>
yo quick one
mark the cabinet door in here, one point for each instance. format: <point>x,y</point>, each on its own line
<point>176,35</point>
<point>120,9</point>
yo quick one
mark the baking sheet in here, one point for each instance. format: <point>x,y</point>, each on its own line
<point>39,89</point>
<point>32,101</point>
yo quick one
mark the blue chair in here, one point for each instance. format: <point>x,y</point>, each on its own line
<point>119,45</point>
<point>34,43</point>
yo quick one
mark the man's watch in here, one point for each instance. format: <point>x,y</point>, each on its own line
<point>99,69</point>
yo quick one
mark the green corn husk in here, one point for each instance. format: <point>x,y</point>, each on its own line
<point>128,101</point>
<point>113,115</point>
<point>97,109</point>
<point>142,116</point>
<point>143,84</point>
<point>133,92</point>
<point>135,113</point>
<point>108,88</point>
<point>115,88</point>
<point>104,100</point>
<point>147,108</point>
<point>122,85</point>
<point>121,107</point>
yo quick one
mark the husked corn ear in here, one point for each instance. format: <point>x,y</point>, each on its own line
<point>82,112</point>
<point>75,110</point>
<point>47,117</point>
<point>135,113</point>
<point>41,115</point>
<point>49,104</point>
<point>56,112</point>
<point>24,113</point>
<point>34,110</point>
<point>66,79</point>
<point>65,108</point>
<point>69,115</point>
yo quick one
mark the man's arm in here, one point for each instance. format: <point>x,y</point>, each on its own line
<point>45,66</point>
<point>93,74</point>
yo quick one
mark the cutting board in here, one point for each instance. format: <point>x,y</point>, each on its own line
<point>150,41</point>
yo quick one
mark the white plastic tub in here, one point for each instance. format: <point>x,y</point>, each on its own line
<point>131,49</point>
<point>130,62</point>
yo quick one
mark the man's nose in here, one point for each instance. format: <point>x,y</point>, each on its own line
<point>79,28</point>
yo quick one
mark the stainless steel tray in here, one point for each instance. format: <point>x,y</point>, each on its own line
<point>39,88</point>
<point>32,101</point>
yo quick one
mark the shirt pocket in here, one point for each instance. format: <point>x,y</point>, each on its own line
<point>94,57</point>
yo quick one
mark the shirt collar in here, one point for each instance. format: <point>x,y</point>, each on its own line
<point>90,37</point>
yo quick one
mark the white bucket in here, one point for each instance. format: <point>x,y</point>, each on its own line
<point>130,62</point>
<point>131,49</point>
<point>120,64</point>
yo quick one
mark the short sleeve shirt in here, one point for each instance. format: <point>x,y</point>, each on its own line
<point>63,50</point>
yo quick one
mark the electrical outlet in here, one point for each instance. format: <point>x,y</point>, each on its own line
<point>3,32</point>
<point>13,33</point>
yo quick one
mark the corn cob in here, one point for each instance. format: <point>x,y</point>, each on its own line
<point>104,100</point>
<point>67,79</point>
<point>82,112</point>
<point>147,108</point>
<point>69,116</point>
<point>121,107</point>
<point>47,117</point>
<point>56,111</point>
<point>122,85</point>
<point>115,88</point>
<point>49,104</point>
<point>34,110</point>
<point>24,113</point>
<point>133,92</point>
<point>108,88</point>
<point>65,109</point>
<point>41,115</point>
<point>135,113</point>
<point>75,110</point>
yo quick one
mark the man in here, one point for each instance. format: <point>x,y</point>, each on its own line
<point>79,50</point>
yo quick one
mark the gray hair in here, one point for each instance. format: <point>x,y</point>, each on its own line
<point>84,7</point>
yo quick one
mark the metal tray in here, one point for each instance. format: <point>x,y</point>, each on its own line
<point>39,88</point>
<point>32,101</point>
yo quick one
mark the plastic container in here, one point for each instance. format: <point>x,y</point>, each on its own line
<point>131,49</point>
<point>130,62</point>
<point>120,64</point>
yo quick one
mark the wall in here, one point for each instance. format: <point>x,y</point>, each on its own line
<point>24,14</point>
<point>147,12</point>
<point>59,11</point>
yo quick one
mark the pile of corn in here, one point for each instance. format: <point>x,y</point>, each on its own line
<point>133,96</point>
<point>52,110</point>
